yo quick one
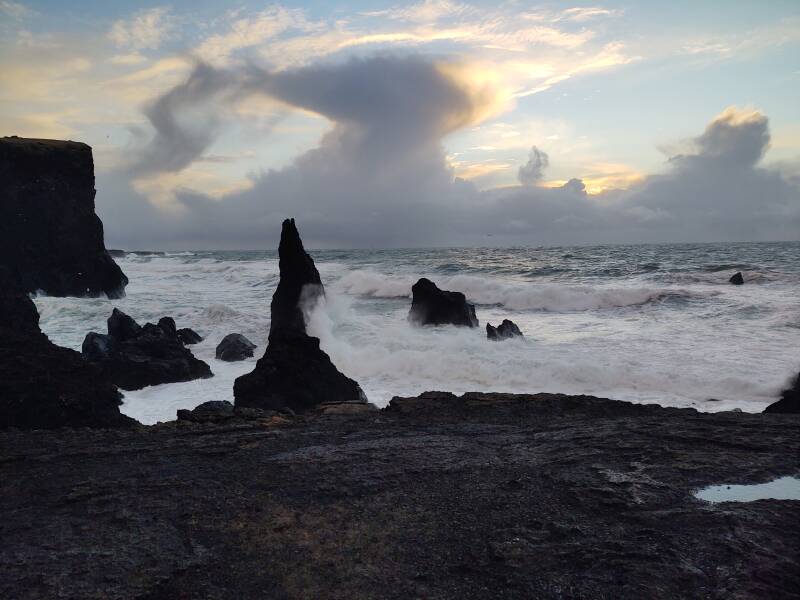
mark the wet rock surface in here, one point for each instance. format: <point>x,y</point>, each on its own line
<point>42,385</point>
<point>790,400</point>
<point>506,330</point>
<point>480,496</point>
<point>134,357</point>
<point>50,237</point>
<point>189,336</point>
<point>294,372</point>
<point>432,306</point>
<point>736,279</point>
<point>233,347</point>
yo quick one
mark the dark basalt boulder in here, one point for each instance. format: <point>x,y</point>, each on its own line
<point>736,279</point>
<point>189,336</point>
<point>134,357</point>
<point>790,400</point>
<point>294,372</point>
<point>506,330</point>
<point>50,237</point>
<point>44,386</point>
<point>235,346</point>
<point>213,411</point>
<point>432,306</point>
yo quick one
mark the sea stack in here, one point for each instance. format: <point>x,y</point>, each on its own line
<point>432,306</point>
<point>44,386</point>
<point>51,240</point>
<point>294,372</point>
<point>135,356</point>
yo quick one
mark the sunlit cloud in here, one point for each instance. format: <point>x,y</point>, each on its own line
<point>144,30</point>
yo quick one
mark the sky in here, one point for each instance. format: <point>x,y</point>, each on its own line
<point>436,123</point>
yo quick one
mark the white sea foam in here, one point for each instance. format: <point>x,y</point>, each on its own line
<point>643,338</point>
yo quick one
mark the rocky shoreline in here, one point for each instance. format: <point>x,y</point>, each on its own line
<point>486,495</point>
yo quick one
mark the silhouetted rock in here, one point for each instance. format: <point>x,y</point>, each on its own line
<point>208,412</point>
<point>299,286</point>
<point>432,306</point>
<point>507,329</point>
<point>189,336</point>
<point>294,372</point>
<point>134,357</point>
<point>50,237</point>
<point>235,346</point>
<point>44,386</point>
<point>736,278</point>
<point>790,400</point>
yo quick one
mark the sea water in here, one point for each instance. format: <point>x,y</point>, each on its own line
<point>645,323</point>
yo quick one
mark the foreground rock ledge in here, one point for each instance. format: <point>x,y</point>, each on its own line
<point>483,496</point>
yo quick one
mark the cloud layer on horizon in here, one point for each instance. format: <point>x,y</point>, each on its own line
<point>380,176</point>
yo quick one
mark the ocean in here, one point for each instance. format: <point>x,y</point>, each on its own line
<point>645,323</point>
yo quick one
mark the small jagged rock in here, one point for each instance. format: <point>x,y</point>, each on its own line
<point>134,357</point>
<point>433,306</point>
<point>790,400</point>
<point>51,240</point>
<point>44,386</point>
<point>208,412</point>
<point>234,347</point>
<point>736,279</point>
<point>506,330</point>
<point>189,336</point>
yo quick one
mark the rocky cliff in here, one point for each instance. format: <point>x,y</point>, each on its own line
<point>50,236</point>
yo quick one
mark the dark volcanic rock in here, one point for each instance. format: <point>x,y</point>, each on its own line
<point>294,372</point>
<point>44,386</point>
<point>432,306</point>
<point>790,400</point>
<point>299,285</point>
<point>50,237</point>
<point>506,330</point>
<point>134,357</point>
<point>208,412</point>
<point>235,346</point>
<point>189,336</point>
<point>484,496</point>
<point>736,279</point>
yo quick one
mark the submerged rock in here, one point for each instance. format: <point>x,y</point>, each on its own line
<point>134,357</point>
<point>736,279</point>
<point>44,386</point>
<point>294,372</point>
<point>189,336</point>
<point>235,346</point>
<point>790,400</point>
<point>432,306</point>
<point>506,330</point>
<point>50,237</point>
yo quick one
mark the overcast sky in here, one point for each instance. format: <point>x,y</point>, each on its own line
<point>435,123</point>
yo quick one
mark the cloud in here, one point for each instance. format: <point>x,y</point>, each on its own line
<point>145,30</point>
<point>533,170</point>
<point>15,10</point>
<point>380,176</point>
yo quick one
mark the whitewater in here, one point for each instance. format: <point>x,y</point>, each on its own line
<point>648,323</point>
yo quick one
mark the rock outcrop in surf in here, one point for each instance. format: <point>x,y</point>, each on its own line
<point>50,237</point>
<point>432,306</point>
<point>506,330</point>
<point>790,400</point>
<point>233,347</point>
<point>294,372</point>
<point>44,386</point>
<point>736,279</point>
<point>135,356</point>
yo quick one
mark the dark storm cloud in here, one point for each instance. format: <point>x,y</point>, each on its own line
<point>380,176</point>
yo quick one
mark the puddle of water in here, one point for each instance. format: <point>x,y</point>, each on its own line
<point>785,488</point>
